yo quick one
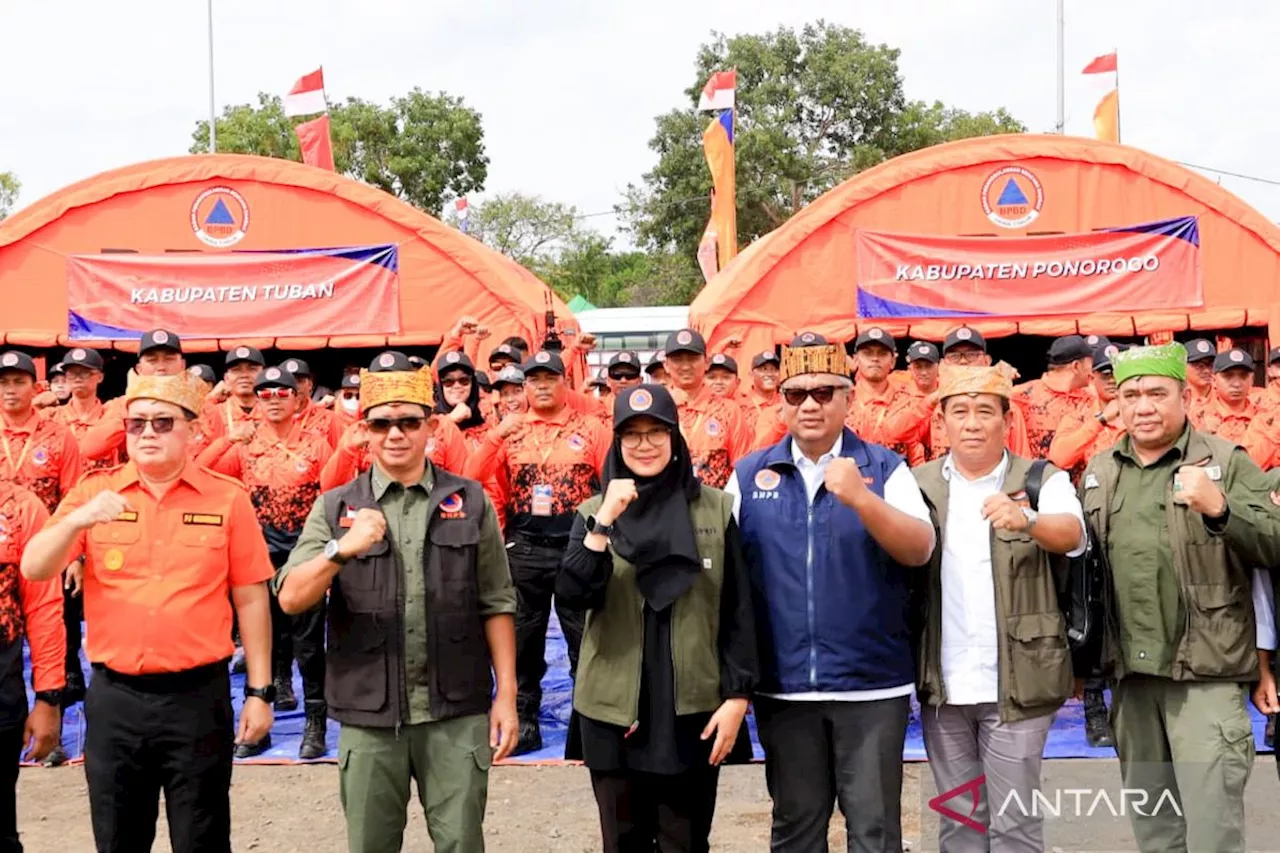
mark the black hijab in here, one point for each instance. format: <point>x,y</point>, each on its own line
<point>473,397</point>
<point>655,533</point>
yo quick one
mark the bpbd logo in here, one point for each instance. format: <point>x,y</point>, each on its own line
<point>1012,197</point>
<point>220,217</point>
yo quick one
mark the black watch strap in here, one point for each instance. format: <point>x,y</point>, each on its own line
<point>594,526</point>
<point>266,694</point>
<point>50,697</point>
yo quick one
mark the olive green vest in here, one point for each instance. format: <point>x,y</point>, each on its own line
<point>1217,643</point>
<point>607,686</point>
<point>1033,661</point>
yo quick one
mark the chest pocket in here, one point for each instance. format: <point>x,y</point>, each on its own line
<point>115,546</point>
<point>201,536</point>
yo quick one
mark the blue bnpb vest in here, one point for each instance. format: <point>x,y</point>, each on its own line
<point>831,602</point>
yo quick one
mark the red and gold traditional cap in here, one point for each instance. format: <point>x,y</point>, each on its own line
<point>955,379</point>
<point>399,386</point>
<point>185,389</point>
<point>813,358</point>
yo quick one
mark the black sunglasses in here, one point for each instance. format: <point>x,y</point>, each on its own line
<point>821,395</point>
<point>381,426</point>
<point>453,381</point>
<point>160,425</point>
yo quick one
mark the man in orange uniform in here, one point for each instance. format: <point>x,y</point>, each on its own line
<point>1063,390</point>
<point>83,370</point>
<point>1081,436</point>
<point>544,464</point>
<point>1262,439</point>
<point>922,365</point>
<point>40,454</point>
<point>346,407</point>
<point>713,427</point>
<point>159,354</point>
<point>280,466</point>
<point>238,415</point>
<point>875,397</point>
<point>446,448</point>
<point>168,547</point>
<point>32,611</point>
<point>1200,356</point>
<point>656,369</point>
<point>1230,409</point>
<point>312,417</point>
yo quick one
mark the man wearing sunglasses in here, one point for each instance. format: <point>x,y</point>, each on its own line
<point>346,410</point>
<point>169,548</point>
<point>832,528</point>
<point>420,604</point>
<point>544,464</point>
<point>280,466</point>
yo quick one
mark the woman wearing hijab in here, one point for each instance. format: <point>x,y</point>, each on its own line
<point>458,396</point>
<point>669,653</point>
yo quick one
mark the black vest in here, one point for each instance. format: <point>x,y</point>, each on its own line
<point>364,667</point>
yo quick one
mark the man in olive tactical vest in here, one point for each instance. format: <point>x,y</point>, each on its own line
<point>420,609</point>
<point>1184,517</point>
<point>993,660</point>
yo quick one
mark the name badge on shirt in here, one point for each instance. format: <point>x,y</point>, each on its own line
<point>203,519</point>
<point>1090,481</point>
<point>541,500</point>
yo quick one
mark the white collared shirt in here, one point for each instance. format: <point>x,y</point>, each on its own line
<point>970,669</point>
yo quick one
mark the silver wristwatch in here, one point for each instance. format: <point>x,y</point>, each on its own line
<point>1031,516</point>
<point>333,553</point>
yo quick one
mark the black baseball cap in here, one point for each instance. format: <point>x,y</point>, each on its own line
<point>766,357</point>
<point>922,351</point>
<point>249,354</point>
<point>1232,358</point>
<point>875,335</point>
<point>205,372</point>
<point>1199,349</point>
<point>600,378</point>
<point>159,339</point>
<point>297,367</point>
<point>509,375</point>
<point>18,361</point>
<point>391,361</point>
<point>658,362</point>
<point>808,339</point>
<point>686,340</point>
<point>1067,349</point>
<point>1103,354</point>
<point>626,358</point>
<point>275,377</point>
<point>544,360</point>
<point>963,335</point>
<point>417,362</point>
<point>83,357</point>
<point>455,359</point>
<point>58,369</point>
<point>351,381</point>
<point>1097,342</point>
<point>483,380</point>
<point>504,352</point>
<point>652,401</point>
<point>1273,356</point>
<point>724,362</point>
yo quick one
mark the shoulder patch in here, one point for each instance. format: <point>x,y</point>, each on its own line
<point>1090,481</point>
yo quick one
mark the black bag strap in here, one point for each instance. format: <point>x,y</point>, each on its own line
<point>1035,479</point>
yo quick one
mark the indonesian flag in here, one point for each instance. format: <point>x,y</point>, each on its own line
<point>718,93</point>
<point>459,208</point>
<point>1102,65</point>
<point>307,95</point>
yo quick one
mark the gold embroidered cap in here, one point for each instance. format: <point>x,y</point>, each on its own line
<point>399,386</point>
<point>811,353</point>
<point>185,389</point>
<point>954,379</point>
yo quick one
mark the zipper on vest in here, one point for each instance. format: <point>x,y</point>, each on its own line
<point>812,618</point>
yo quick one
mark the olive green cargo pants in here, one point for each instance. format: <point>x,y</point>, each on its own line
<point>448,760</point>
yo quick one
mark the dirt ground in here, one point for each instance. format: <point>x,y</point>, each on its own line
<point>551,810</point>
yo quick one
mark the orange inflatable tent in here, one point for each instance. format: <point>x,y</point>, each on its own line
<point>148,208</point>
<point>802,275</point>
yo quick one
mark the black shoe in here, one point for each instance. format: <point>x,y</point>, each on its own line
<point>57,758</point>
<point>530,739</point>
<point>285,700</point>
<point>1270,736</point>
<point>313,737</point>
<point>1097,728</point>
<point>249,750</point>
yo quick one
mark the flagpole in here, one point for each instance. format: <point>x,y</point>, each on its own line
<point>1062,98</point>
<point>1117,51</point>
<point>213,110</point>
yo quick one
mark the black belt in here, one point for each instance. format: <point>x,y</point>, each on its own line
<point>167,682</point>
<point>542,541</point>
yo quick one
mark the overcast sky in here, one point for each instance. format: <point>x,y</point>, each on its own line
<point>568,89</point>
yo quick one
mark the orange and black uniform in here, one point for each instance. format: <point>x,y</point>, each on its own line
<point>542,473</point>
<point>716,432</point>
<point>878,418</point>
<point>1044,411</point>
<point>31,611</point>
<point>80,422</point>
<point>321,422</point>
<point>41,455</point>
<point>1081,437</point>
<point>157,600</point>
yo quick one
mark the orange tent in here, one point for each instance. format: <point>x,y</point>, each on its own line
<point>801,276</point>
<point>148,208</point>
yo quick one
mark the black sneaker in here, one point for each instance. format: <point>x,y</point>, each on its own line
<point>313,737</point>
<point>530,739</point>
<point>250,750</point>
<point>1097,728</point>
<point>285,700</point>
<point>57,758</point>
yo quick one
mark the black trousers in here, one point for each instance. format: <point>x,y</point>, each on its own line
<point>534,565</point>
<point>72,618</point>
<point>151,733</point>
<point>644,812</point>
<point>820,753</point>
<point>10,754</point>
<point>299,638</point>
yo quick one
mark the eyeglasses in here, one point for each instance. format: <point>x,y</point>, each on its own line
<point>455,381</point>
<point>821,395</point>
<point>656,437</point>
<point>275,393</point>
<point>160,425</point>
<point>382,426</point>
<point>963,357</point>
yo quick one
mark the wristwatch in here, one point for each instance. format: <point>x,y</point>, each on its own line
<point>1102,418</point>
<point>50,697</point>
<point>266,694</point>
<point>594,526</point>
<point>1031,516</point>
<point>333,554</point>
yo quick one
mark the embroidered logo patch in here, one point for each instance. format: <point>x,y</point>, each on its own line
<point>386,360</point>
<point>291,366</point>
<point>767,479</point>
<point>641,400</point>
<point>40,456</point>
<point>452,358</point>
<point>160,337</point>
<point>807,338</point>
<point>451,507</point>
<point>77,355</point>
<point>542,357</point>
<point>684,338</point>
<point>272,374</point>
<point>10,359</point>
<point>964,334</point>
<point>242,352</point>
<point>576,443</point>
<point>113,560</point>
<point>713,427</point>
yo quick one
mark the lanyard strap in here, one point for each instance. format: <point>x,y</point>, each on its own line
<point>22,457</point>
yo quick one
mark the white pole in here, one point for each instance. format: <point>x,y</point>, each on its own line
<point>213,110</point>
<point>1062,100</point>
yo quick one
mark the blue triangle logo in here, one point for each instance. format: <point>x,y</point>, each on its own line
<point>1011,195</point>
<point>221,216</point>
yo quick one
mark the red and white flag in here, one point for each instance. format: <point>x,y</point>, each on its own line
<point>1101,65</point>
<point>719,91</point>
<point>307,95</point>
<point>459,208</point>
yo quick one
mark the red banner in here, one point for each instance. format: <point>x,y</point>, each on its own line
<point>1144,267</point>
<point>312,292</point>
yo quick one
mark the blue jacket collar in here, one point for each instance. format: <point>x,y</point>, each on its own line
<point>779,456</point>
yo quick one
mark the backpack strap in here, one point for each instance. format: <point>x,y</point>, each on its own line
<point>1035,479</point>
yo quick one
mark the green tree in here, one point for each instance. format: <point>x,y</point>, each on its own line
<point>528,229</point>
<point>813,108</point>
<point>422,148</point>
<point>10,186</point>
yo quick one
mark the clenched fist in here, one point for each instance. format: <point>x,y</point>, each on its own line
<point>102,508</point>
<point>843,478</point>
<point>510,423</point>
<point>356,437</point>
<point>1196,490</point>
<point>617,498</point>
<point>367,529</point>
<point>1004,513</point>
<point>242,432</point>
<point>460,413</point>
